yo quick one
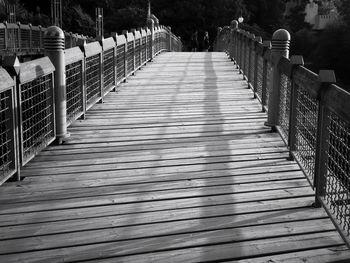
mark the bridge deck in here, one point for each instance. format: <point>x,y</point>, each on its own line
<point>176,166</point>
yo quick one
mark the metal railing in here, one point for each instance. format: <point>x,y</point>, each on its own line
<point>28,121</point>
<point>8,144</point>
<point>36,107</point>
<point>310,112</point>
<point>23,39</point>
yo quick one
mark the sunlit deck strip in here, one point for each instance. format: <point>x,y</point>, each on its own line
<point>176,166</point>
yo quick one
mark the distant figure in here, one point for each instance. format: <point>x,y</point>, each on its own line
<point>194,42</point>
<point>205,43</point>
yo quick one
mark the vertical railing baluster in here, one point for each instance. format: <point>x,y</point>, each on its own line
<point>240,66</point>
<point>325,78</point>
<point>12,66</point>
<point>19,42</point>
<point>125,33</point>
<point>233,26</point>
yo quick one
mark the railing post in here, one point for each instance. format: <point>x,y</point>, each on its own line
<point>19,36</point>
<point>12,66</point>
<point>325,78</point>
<point>239,50</point>
<point>40,38</point>
<point>234,27</point>
<point>125,33</point>
<point>100,40</point>
<point>81,44</point>
<point>280,47</point>
<point>6,36</point>
<point>244,53</point>
<point>250,45</point>
<point>30,37</point>
<point>140,47</point>
<point>54,49</point>
<point>295,61</point>
<point>146,46</point>
<point>241,56</point>
<point>266,47</point>
<point>150,25</point>
<point>133,31</point>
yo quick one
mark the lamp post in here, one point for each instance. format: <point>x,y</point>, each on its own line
<point>240,19</point>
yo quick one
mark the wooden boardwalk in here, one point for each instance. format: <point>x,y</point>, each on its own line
<point>176,166</point>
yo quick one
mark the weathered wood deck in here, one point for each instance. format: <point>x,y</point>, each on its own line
<point>176,166</point>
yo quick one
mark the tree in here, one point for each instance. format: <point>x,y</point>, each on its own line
<point>344,9</point>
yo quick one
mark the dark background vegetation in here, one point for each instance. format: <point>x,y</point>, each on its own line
<point>328,49</point>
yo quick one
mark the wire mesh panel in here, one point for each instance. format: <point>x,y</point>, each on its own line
<point>12,38</point>
<point>173,44</point>
<point>36,38</point>
<point>149,43</point>
<point>37,116</point>
<point>157,42</point>
<point>137,53</point>
<point>93,79</point>
<point>306,130</point>
<point>143,47</point>
<point>268,81</point>
<point>284,105</point>
<point>25,38</point>
<point>7,160</point>
<point>259,76</point>
<point>246,60</point>
<point>337,197</point>
<point>42,36</point>
<point>108,69</point>
<point>74,87</point>
<point>120,62</point>
<point>68,41</point>
<point>130,57</point>
<point>164,41</point>
<point>2,37</point>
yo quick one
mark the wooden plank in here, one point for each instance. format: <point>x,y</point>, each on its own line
<point>143,226</point>
<point>153,210</point>
<point>125,243</point>
<point>206,151</point>
<point>163,174</point>
<point>36,194</point>
<point>237,250</point>
<point>110,196</point>
<point>328,254</point>
<point>159,170</point>
<point>139,149</point>
<point>249,175</point>
<point>169,141</point>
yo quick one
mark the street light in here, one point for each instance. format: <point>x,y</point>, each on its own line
<point>240,19</point>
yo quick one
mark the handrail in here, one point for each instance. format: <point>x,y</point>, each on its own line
<point>313,116</point>
<point>28,121</point>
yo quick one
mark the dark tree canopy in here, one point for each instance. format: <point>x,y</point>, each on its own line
<point>184,16</point>
<point>261,17</point>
